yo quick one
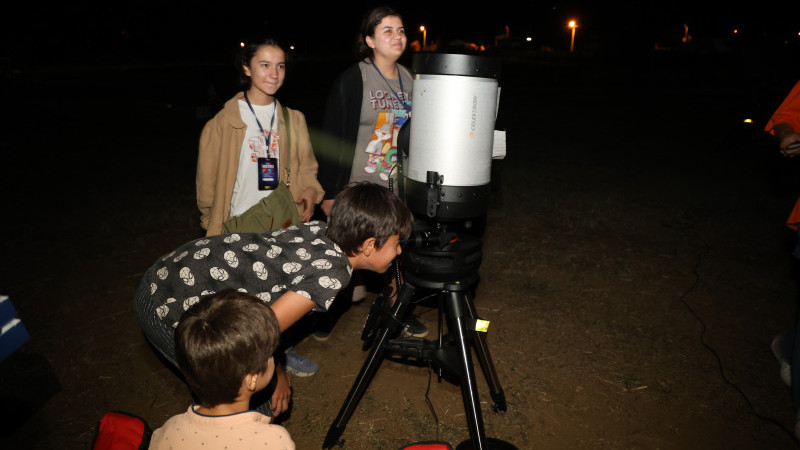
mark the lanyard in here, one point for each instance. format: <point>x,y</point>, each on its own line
<point>405,104</point>
<point>268,137</point>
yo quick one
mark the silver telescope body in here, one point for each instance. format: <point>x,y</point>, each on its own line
<point>455,101</point>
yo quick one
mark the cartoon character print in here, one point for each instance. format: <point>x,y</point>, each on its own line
<point>382,147</point>
<point>400,118</point>
<point>258,146</point>
<point>379,143</point>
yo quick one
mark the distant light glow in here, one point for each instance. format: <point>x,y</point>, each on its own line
<point>572,26</point>
<point>291,47</point>
<point>748,120</point>
<point>241,44</point>
<point>529,39</point>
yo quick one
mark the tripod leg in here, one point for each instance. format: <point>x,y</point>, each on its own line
<point>469,392</point>
<point>373,361</point>
<point>485,359</point>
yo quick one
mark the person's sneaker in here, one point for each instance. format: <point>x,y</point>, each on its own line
<point>299,366</point>
<point>786,368</point>
<point>415,328</point>
<point>797,426</point>
<point>321,335</point>
<point>359,293</point>
<point>775,346</point>
<point>786,373</point>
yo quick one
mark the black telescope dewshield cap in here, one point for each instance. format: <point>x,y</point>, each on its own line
<point>455,100</point>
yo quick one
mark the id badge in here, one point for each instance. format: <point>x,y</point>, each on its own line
<point>267,174</point>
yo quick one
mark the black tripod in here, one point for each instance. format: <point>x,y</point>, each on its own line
<point>451,269</point>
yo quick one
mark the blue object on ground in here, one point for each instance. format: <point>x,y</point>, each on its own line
<point>12,332</point>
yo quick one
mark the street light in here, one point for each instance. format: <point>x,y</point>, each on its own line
<point>424,35</point>
<point>572,25</point>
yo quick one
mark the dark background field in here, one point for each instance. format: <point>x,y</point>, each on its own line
<point>636,264</point>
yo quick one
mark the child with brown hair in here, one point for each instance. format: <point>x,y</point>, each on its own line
<point>224,345</point>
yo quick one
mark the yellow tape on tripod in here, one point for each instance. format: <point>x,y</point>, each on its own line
<point>481,325</point>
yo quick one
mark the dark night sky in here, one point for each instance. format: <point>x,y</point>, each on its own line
<point>115,30</point>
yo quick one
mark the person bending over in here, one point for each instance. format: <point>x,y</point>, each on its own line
<point>294,270</point>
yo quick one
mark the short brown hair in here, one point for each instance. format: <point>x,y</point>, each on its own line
<point>222,338</point>
<point>365,210</point>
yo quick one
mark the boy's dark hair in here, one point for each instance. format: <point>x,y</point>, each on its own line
<point>222,338</point>
<point>364,210</point>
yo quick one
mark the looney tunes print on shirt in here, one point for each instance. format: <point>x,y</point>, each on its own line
<point>385,107</point>
<point>382,146</point>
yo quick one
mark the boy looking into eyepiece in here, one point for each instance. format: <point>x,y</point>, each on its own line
<point>224,345</point>
<point>293,270</point>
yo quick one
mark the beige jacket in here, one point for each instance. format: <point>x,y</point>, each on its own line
<point>218,162</point>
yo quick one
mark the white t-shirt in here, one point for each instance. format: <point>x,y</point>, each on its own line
<point>245,189</point>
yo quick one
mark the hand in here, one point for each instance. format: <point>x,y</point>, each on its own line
<point>307,198</point>
<point>787,142</point>
<point>326,206</point>
<point>283,392</point>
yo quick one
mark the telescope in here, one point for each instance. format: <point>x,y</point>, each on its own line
<point>447,144</point>
<point>445,155</point>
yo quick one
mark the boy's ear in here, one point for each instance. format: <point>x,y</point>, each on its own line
<point>368,247</point>
<point>250,381</point>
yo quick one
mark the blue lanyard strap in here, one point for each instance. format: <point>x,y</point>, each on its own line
<point>405,103</point>
<point>267,136</point>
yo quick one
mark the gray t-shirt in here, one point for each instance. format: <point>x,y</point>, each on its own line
<point>299,259</point>
<point>382,115</point>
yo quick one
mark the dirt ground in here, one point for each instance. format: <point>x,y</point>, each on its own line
<point>635,262</point>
